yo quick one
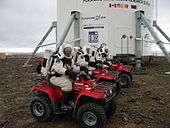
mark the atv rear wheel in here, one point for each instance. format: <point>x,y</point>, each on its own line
<point>91,115</point>
<point>40,109</point>
<point>125,80</point>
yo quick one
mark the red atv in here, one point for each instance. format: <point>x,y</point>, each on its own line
<point>103,76</point>
<point>124,73</point>
<point>116,68</point>
<point>90,103</point>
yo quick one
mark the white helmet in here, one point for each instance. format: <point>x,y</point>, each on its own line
<point>81,51</point>
<point>101,48</point>
<point>102,52</point>
<point>76,49</point>
<point>67,46</point>
<point>70,52</point>
<point>86,50</point>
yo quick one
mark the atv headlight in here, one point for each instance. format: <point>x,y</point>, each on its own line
<point>111,92</point>
<point>109,95</point>
<point>87,87</point>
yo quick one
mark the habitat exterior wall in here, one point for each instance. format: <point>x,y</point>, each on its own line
<point>106,21</point>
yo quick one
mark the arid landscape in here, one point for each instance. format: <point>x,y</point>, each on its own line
<point>144,105</point>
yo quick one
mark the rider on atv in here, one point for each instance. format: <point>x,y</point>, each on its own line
<point>90,102</point>
<point>63,72</point>
<point>124,72</point>
<point>81,59</point>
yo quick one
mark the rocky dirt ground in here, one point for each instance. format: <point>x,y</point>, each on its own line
<point>145,105</point>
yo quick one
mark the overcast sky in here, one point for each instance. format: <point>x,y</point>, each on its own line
<point>23,22</point>
<point>164,19</point>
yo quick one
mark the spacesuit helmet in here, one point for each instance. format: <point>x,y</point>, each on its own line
<point>101,48</point>
<point>67,50</point>
<point>106,50</point>
<point>102,52</point>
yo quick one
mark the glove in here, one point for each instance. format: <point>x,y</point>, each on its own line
<point>85,69</point>
<point>67,72</point>
<point>72,75</point>
<point>87,58</point>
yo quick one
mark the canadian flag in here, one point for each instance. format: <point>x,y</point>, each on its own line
<point>112,5</point>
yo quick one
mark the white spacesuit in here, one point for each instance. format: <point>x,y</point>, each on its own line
<point>64,70</point>
<point>80,57</point>
<point>103,55</point>
<point>60,78</point>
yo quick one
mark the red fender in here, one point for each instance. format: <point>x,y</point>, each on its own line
<point>91,94</point>
<point>122,68</point>
<point>108,77</point>
<point>54,94</point>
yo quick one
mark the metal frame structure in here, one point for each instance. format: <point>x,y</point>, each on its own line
<point>141,19</point>
<point>77,28</point>
<point>161,31</point>
<point>75,16</point>
<point>138,43</point>
<point>53,26</point>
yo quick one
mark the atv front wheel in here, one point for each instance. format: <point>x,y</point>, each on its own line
<point>91,115</point>
<point>111,109</point>
<point>40,109</point>
<point>125,80</point>
<point>117,90</point>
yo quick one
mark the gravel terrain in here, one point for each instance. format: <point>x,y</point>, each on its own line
<point>145,105</point>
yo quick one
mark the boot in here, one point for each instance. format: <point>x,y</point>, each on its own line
<point>65,101</point>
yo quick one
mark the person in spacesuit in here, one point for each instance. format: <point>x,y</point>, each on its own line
<point>103,56</point>
<point>63,70</point>
<point>82,58</point>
